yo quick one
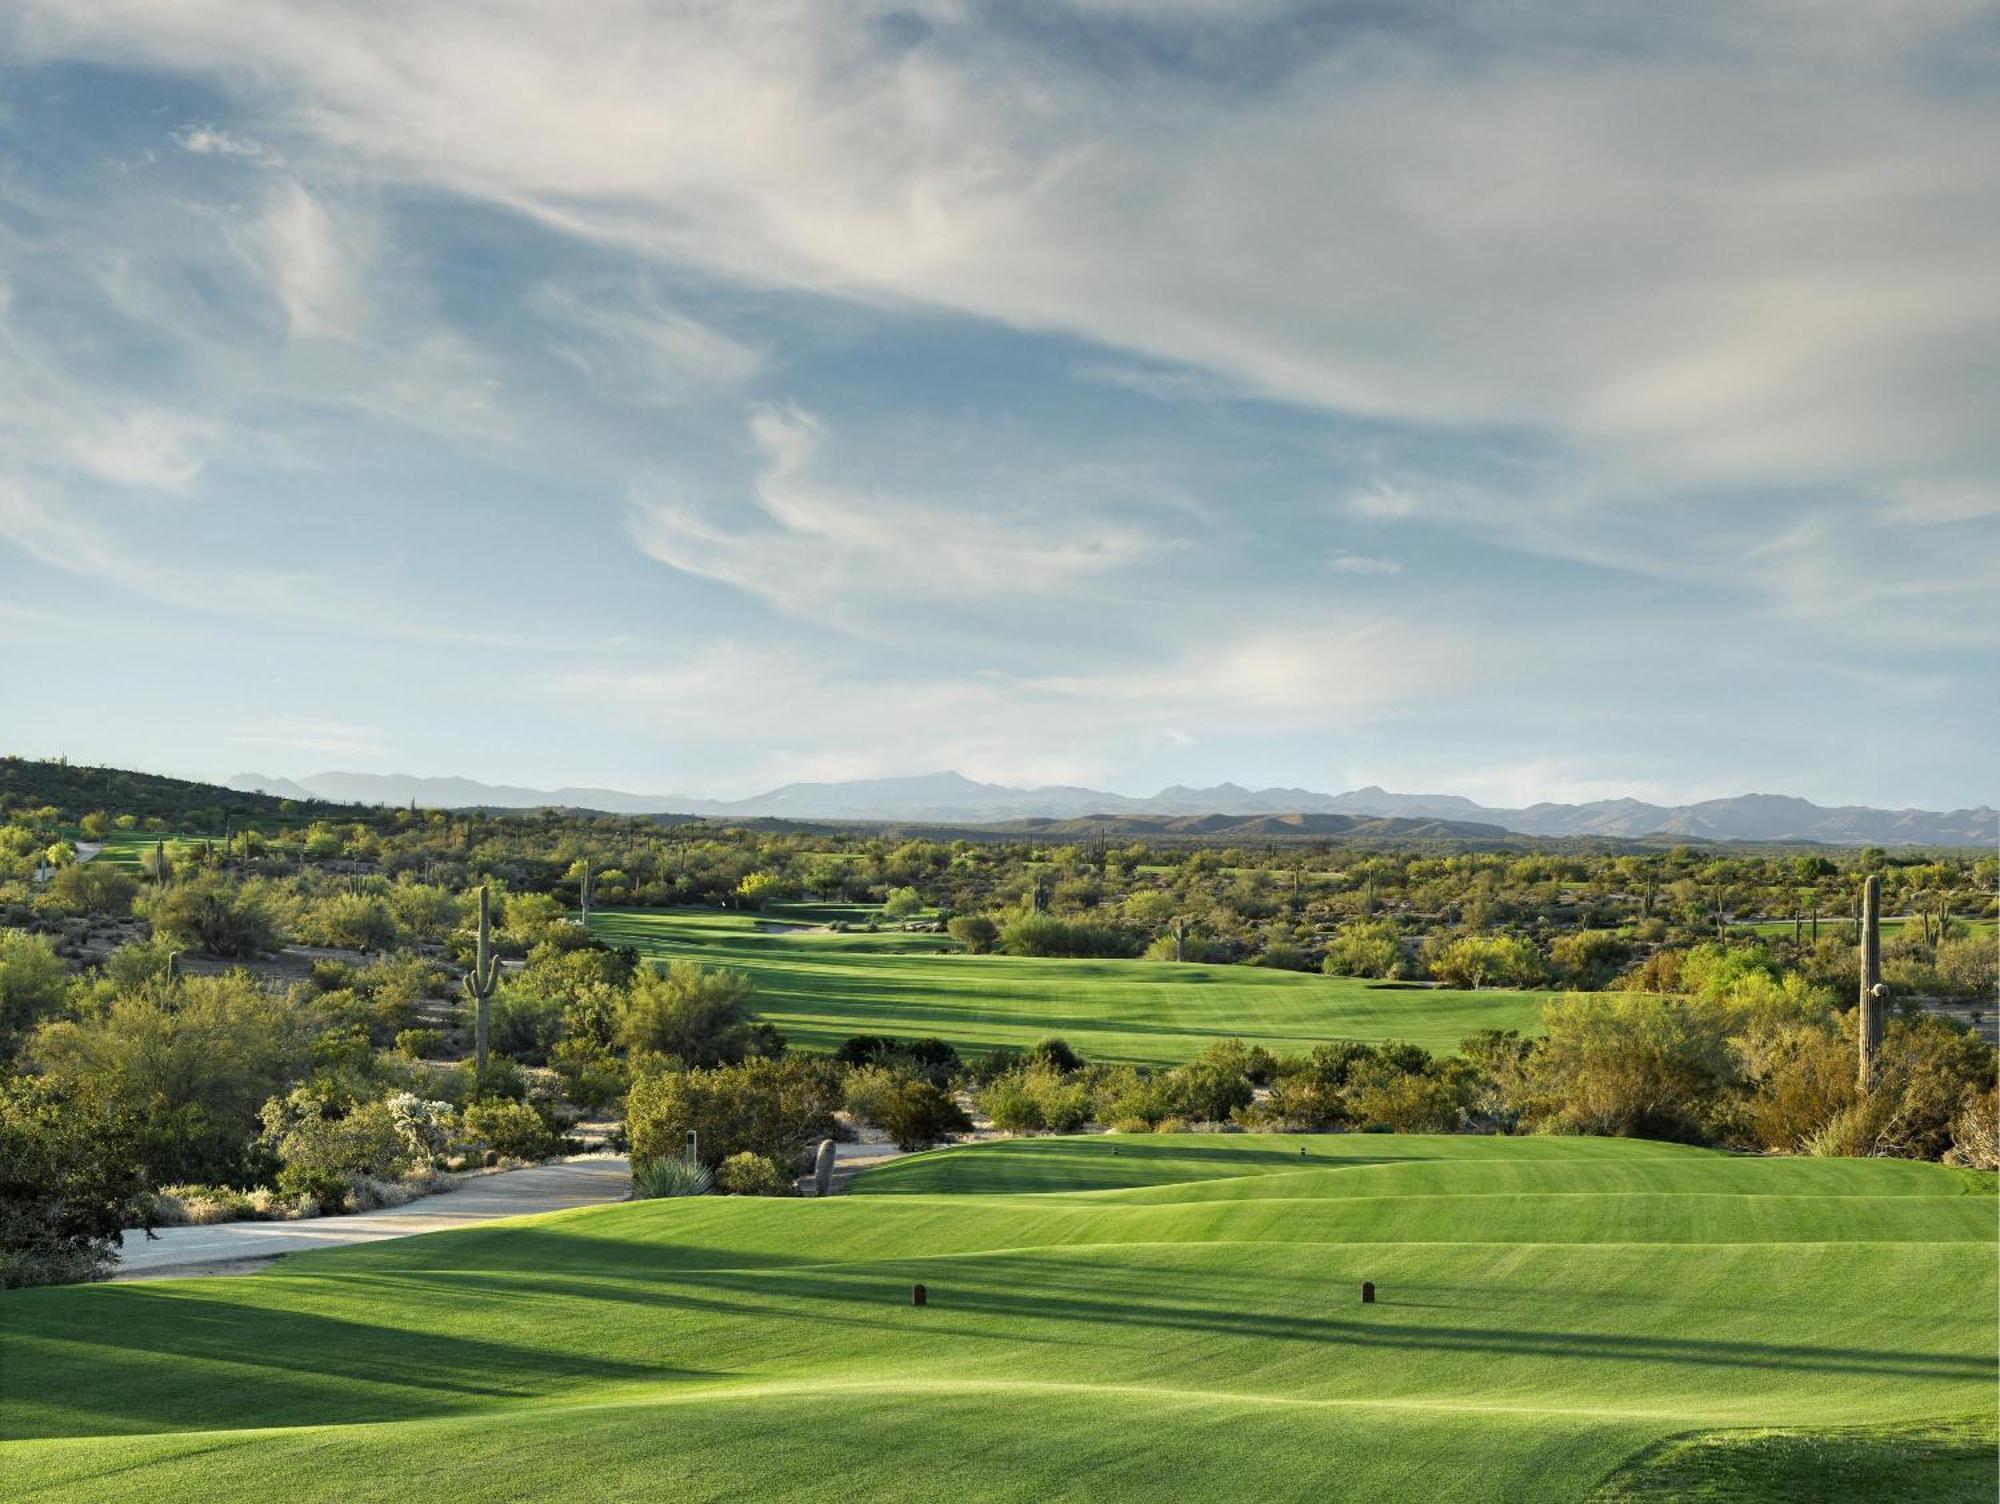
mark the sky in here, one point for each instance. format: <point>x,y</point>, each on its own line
<point>1530,401</point>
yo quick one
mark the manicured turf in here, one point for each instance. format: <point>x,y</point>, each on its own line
<point>128,848</point>
<point>820,988</point>
<point>1147,1318</point>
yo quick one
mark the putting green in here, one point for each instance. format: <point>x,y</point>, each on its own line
<point>1147,1318</point>
<point>820,987</point>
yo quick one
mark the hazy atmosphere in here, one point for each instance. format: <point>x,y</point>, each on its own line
<point>1492,402</point>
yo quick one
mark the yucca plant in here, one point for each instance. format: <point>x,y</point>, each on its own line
<point>653,1178</point>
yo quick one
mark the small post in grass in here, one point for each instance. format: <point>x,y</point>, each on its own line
<point>1368,1292</point>
<point>919,1296</point>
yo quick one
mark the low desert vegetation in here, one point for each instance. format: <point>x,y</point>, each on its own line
<point>239,1000</point>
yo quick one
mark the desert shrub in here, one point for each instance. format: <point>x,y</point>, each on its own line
<point>901,903</point>
<point>70,1180</point>
<point>1975,1133</point>
<point>503,1081</point>
<point>701,1017</point>
<point>214,915</point>
<point>1131,1125</point>
<point>753,1175</point>
<point>1011,1104</point>
<point>33,982</point>
<point>420,1044</point>
<point>975,932</point>
<point>513,1130</point>
<point>866,1089</point>
<point>1034,934</point>
<point>1363,948</point>
<point>524,1025</point>
<point>94,888</point>
<point>193,1069</point>
<point>1588,959</point>
<point>653,1179</point>
<point>1430,1100</point>
<point>201,1205</point>
<point>1629,1066</point>
<point>1054,1055</point>
<point>593,1077</point>
<point>351,921</point>
<point>1209,1091</point>
<point>769,1107</point>
<point>322,1152</point>
<point>1487,961</point>
<point>1282,955</point>
<point>132,968</point>
<point>1173,1125</point>
<point>918,1115</point>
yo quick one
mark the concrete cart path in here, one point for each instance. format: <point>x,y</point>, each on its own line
<point>240,1247</point>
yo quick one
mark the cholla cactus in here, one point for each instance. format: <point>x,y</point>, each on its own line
<point>426,1127</point>
<point>480,982</point>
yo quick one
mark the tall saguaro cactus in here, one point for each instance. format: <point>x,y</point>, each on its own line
<point>1873,993</point>
<point>480,982</point>
<point>586,893</point>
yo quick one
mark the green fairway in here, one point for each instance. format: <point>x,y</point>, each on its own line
<point>1145,1318</point>
<point>820,987</point>
<point>127,848</point>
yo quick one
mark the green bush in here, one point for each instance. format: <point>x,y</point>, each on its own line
<point>753,1175</point>
<point>513,1130</point>
<point>699,1016</point>
<point>70,1179</point>
<point>918,1115</point>
<point>769,1107</point>
<point>420,1044</point>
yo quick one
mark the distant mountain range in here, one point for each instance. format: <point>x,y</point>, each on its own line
<point>951,799</point>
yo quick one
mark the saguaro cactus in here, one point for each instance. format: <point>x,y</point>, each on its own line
<point>159,864</point>
<point>1873,993</point>
<point>823,1169</point>
<point>480,982</point>
<point>585,906</point>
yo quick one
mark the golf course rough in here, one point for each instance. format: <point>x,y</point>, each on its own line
<point>1169,1317</point>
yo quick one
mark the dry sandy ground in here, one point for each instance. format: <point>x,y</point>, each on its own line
<point>242,1247</point>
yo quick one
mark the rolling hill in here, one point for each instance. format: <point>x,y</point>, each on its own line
<point>1110,1318</point>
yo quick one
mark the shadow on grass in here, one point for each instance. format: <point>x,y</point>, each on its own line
<point>100,1358</point>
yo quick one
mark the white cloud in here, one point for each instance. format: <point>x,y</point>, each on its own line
<point>1682,240</point>
<point>773,713</point>
<point>213,141</point>
<point>306,735</point>
<point>816,546</point>
<point>1362,564</point>
<point>315,262</point>
<point>1383,503</point>
<point>636,348</point>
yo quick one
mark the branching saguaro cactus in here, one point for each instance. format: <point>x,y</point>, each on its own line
<point>480,982</point>
<point>1873,994</point>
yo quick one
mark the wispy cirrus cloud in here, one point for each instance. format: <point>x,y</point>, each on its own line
<point>810,543</point>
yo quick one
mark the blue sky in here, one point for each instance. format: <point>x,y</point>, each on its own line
<point>1506,401</point>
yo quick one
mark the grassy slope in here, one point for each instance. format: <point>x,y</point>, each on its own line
<point>820,988</point>
<point>1146,1318</point>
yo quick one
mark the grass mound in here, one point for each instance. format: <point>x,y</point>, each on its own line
<point>821,987</point>
<point>1149,1318</point>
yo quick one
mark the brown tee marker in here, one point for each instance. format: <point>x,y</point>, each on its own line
<point>919,1296</point>
<point>1368,1292</point>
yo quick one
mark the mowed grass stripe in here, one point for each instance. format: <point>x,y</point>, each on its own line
<point>822,988</point>
<point>1076,1345</point>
